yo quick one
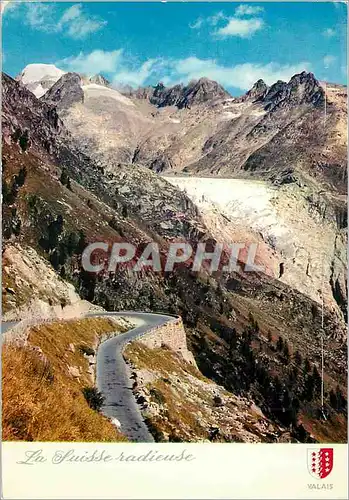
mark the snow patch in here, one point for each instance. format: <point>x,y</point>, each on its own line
<point>229,115</point>
<point>37,72</point>
<point>95,90</point>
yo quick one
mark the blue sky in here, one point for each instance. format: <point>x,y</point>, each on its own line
<point>142,43</point>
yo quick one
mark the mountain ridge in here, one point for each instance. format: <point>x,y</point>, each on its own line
<point>233,321</point>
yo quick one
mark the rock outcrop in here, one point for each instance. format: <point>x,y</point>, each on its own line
<point>258,90</point>
<point>65,92</point>
<point>182,96</point>
<point>301,89</point>
<point>99,80</point>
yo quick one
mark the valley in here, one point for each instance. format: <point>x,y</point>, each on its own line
<point>86,162</point>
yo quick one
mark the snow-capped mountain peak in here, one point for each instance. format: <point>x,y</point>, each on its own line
<point>38,78</point>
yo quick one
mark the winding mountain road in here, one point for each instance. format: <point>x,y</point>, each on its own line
<point>113,374</point>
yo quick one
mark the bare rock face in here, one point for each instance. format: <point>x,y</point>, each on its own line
<point>64,93</point>
<point>204,90</point>
<point>163,96</point>
<point>74,371</point>
<point>301,89</point>
<point>99,80</point>
<point>140,93</point>
<point>197,92</point>
<point>35,115</point>
<point>258,90</point>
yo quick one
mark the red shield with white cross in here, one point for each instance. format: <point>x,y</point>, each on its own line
<point>320,462</point>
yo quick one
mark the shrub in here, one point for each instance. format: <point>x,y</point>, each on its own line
<point>94,398</point>
<point>217,400</point>
<point>87,350</point>
<point>157,396</point>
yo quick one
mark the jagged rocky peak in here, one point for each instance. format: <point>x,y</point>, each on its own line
<point>167,96</point>
<point>202,91</point>
<point>65,92</point>
<point>99,80</point>
<point>196,92</point>
<point>275,93</point>
<point>303,88</point>
<point>139,93</point>
<point>258,90</point>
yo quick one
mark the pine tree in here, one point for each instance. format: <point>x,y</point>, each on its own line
<point>307,365</point>
<point>72,243</point>
<point>309,388</point>
<point>5,193</point>
<point>317,380</point>
<point>280,344</point>
<point>124,211</point>
<point>54,231</point>
<point>298,359</point>
<point>20,178</point>
<point>64,176</point>
<point>82,242</point>
<point>24,141</point>
<point>17,227</point>
<point>286,351</point>
<point>333,400</point>
<point>341,401</point>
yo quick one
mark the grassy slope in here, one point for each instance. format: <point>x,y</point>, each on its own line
<point>41,400</point>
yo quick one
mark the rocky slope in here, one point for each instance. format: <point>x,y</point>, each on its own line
<point>179,404</point>
<point>233,321</point>
<point>202,130</point>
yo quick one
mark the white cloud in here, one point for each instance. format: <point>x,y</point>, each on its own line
<point>329,60</point>
<point>38,16</point>
<point>72,13</point>
<point>117,66</point>
<point>73,23</point>
<point>241,76</point>
<point>78,25</point>
<point>216,18</point>
<point>242,28</point>
<point>138,77</point>
<point>329,32</point>
<point>211,20</point>
<point>248,10</point>
<point>197,24</point>
<point>234,26</point>
<point>98,61</point>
